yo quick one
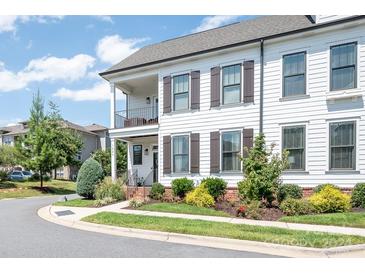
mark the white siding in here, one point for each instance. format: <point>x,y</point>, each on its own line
<point>327,18</point>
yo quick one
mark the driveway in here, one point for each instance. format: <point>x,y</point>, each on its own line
<point>24,234</point>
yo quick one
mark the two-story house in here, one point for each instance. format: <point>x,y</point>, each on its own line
<point>193,103</point>
<point>93,136</point>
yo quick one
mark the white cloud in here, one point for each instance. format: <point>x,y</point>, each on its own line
<point>113,49</point>
<point>8,23</point>
<point>105,18</point>
<point>10,122</point>
<point>48,68</point>
<point>99,92</point>
<point>211,22</point>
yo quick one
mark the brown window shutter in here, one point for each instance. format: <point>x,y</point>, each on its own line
<point>195,152</point>
<point>247,140</point>
<point>166,154</point>
<point>214,152</point>
<point>215,82</point>
<point>248,78</point>
<point>195,89</point>
<point>167,94</point>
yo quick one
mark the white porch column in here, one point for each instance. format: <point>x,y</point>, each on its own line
<point>112,105</point>
<point>113,148</point>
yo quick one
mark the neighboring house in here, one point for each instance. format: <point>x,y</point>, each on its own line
<point>194,102</point>
<point>93,136</point>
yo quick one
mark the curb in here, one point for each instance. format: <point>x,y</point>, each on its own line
<point>214,242</point>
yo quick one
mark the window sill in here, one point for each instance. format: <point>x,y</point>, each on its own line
<point>232,105</point>
<point>345,172</point>
<point>173,112</point>
<point>295,172</point>
<point>294,97</point>
<point>344,93</point>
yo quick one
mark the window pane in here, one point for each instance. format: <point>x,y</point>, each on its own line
<point>181,101</point>
<point>293,141</point>
<point>231,141</point>
<point>343,55</point>
<point>137,155</point>
<point>296,158</point>
<point>294,85</point>
<point>342,158</point>
<point>181,163</point>
<point>343,78</point>
<point>181,84</point>
<point>294,64</point>
<point>231,94</point>
<point>342,134</point>
<point>232,75</point>
<point>231,162</point>
<point>181,145</point>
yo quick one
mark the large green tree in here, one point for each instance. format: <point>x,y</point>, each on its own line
<point>9,156</point>
<point>104,158</point>
<point>48,145</point>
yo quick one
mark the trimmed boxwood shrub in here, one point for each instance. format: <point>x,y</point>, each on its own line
<point>200,197</point>
<point>181,186</point>
<point>216,186</point>
<point>293,206</point>
<point>289,191</point>
<point>157,191</point>
<point>320,187</point>
<point>330,200</point>
<point>90,174</point>
<point>358,195</point>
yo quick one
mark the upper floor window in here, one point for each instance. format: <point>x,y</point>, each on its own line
<point>180,153</point>
<point>343,66</point>
<point>231,84</point>
<point>137,155</point>
<point>294,74</point>
<point>231,148</point>
<point>181,92</point>
<point>294,143</point>
<point>342,145</point>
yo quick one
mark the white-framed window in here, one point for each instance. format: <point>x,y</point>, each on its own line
<point>230,151</point>
<point>343,66</point>
<point>137,154</point>
<point>231,84</point>
<point>342,145</point>
<point>294,74</point>
<point>180,154</point>
<point>293,140</point>
<point>180,92</point>
<point>60,172</point>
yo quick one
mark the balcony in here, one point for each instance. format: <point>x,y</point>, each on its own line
<point>136,117</point>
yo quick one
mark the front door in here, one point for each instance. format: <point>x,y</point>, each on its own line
<point>155,166</point>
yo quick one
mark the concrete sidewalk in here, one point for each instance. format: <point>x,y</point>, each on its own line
<point>80,212</point>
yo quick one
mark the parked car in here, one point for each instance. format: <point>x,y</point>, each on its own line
<point>20,175</point>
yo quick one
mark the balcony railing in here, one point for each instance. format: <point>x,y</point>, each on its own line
<point>136,117</point>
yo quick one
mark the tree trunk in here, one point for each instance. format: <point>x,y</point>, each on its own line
<point>41,173</point>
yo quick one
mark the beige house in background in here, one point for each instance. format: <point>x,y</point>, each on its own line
<point>94,137</point>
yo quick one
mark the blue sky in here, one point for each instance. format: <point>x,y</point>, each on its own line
<point>62,55</point>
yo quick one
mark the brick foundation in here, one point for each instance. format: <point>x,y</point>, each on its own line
<point>231,193</point>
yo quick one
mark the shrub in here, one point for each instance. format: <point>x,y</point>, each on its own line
<point>358,195</point>
<point>289,191</point>
<point>157,191</point>
<point>109,189</point>
<point>291,206</point>
<point>320,187</point>
<point>241,211</point>
<point>216,186</point>
<point>3,175</point>
<point>90,174</point>
<point>200,197</point>
<point>253,210</point>
<point>330,200</point>
<point>105,201</point>
<point>262,173</point>
<point>181,186</point>
<point>134,203</point>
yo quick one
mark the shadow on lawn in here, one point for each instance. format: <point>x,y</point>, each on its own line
<point>7,185</point>
<point>53,190</point>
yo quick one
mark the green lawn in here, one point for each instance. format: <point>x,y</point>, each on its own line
<point>225,230</point>
<point>183,208</point>
<point>28,189</point>
<point>77,203</point>
<point>349,219</point>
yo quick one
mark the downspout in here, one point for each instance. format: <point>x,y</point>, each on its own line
<point>261,85</point>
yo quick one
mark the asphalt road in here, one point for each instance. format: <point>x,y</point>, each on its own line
<point>24,234</point>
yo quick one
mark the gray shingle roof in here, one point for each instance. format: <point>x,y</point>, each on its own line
<point>215,38</point>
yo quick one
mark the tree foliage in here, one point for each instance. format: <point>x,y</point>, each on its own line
<point>262,169</point>
<point>10,156</point>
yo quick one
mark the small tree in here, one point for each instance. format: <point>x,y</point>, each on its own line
<point>104,158</point>
<point>262,171</point>
<point>89,176</point>
<point>10,156</point>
